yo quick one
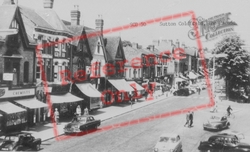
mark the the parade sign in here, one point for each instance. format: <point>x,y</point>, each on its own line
<point>210,29</point>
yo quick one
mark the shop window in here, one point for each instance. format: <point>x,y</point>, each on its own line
<point>26,72</point>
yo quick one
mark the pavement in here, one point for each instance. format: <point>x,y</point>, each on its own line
<point>47,131</point>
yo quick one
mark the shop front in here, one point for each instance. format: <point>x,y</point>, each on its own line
<point>65,103</point>
<point>138,90</point>
<point>120,90</point>
<point>91,96</point>
<point>14,118</point>
<point>36,110</point>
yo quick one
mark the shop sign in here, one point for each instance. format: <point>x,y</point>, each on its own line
<point>8,76</point>
<point>171,68</point>
<point>5,93</point>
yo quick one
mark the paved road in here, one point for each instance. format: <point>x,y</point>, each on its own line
<point>141,137</point>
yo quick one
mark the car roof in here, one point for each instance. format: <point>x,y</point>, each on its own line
<point>230,132</point>
<point>169,135</point>
<point>17,133</point>
<point>222,135</point>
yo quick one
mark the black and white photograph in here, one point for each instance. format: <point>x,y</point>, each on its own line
<point>124,75</point>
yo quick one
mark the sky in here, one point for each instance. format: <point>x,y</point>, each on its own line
<point>125,12</point>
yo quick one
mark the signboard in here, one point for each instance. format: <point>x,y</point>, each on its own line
<point>5,93</point>
<point>8,76</point>
<point>171,68</point>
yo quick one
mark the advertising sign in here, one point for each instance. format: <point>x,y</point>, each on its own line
<point>5,93</point>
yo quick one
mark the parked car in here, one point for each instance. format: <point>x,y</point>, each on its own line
<point>81,123</point>
<point>182,92</point>
<point>216,123</point>
<point>224,143</point>
<point>241,137</point>
<point>169,142</point>
<point>20,141</point>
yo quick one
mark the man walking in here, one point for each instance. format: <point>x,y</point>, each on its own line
<point>56,115</point>
<point>187,119</point>
<point>191,116</point>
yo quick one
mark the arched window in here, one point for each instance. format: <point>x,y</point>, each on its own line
<point>26,72</point>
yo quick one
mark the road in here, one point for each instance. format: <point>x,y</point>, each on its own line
<point>141,137</point>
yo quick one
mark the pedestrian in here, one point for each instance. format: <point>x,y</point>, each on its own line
<point>86,111</point>
<point>187,119</point>
<point>78,110</point>
<point>191,116</point>
<point>130,100</point>
<point>199,90</point>
<point>56,115</point>
<point>146,94</point>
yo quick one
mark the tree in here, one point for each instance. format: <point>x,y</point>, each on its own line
<point>235,67</point>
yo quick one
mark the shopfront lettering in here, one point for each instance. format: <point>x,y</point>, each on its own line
<point>17,93</point>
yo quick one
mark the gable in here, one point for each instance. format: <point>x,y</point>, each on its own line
<point>99,49</point>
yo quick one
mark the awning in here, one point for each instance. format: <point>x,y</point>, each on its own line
<point>201,73</point>
<point>9,108</point>
<point>192,75</point>
<point>179,80</point>
<point>157,84</point>
<point>66,98</point>
<point>88,90</point>
<point>31,103</point>
<point>121,85</point>
<point>185,78</point>
<point>135,85</point>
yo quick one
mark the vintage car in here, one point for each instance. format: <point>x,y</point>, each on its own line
<point>216,123</point>
<point>241,137</point>
<point>224,143</point>
<point>20,141</point>
<point>81,123</point>
<point>182,92</point>
<point>169,142</point>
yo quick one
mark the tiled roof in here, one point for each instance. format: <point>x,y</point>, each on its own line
<point>131,53</point>
<point>92,40</point>
<point>77,30</point>
<point>7,13</point>
<point>31,15</point>
<point>53,19</point>
<point>164,46</point>
<point>112,46</point>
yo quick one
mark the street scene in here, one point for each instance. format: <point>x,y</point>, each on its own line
<point>165,76</point>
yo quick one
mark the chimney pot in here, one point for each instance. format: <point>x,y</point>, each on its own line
<point>48,4</point>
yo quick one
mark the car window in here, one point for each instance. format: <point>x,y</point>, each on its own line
<point>164,139</point>
<point>11,138</point>
<point>82,119</point>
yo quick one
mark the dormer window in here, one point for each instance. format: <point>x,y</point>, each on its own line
<point>14,25</point>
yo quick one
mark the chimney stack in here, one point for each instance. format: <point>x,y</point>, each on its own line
<point>135,45</point>
<point>177,43</point>
<point>156,42</point>
<point>48,4</point>
<point>75,16</point>
<point>99,24</point>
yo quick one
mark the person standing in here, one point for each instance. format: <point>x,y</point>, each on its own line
<point>78,110</point>
<point>191,117</point>
<point>86,111</point>
<point>199,90</point>
<point>56,115</point>
<point>187,119</point>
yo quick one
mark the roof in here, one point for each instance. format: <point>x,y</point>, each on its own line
<point>112,47</point>
<point>53,19</point>
<point>190,51</point>
<point>77,30</point>
<point>131,53</point>
<point>164,46</point>
<point>7,14</point>
<point>92,38</point>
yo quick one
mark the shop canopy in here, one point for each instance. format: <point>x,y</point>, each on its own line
<point>135,85</point>
<point>66,98</point>
<point>121,85</point>
<point>31,103</point>
<point>89,90</point>
<point>192,75</point>
<point>179,80</point>
<point>9,108</point>
<point>156,84</point>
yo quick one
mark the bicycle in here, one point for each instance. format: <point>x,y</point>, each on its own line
<point>232,115</point>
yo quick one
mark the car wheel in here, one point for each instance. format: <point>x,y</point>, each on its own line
<point>38,146</point>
